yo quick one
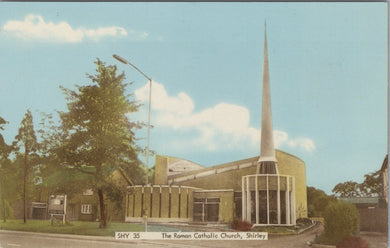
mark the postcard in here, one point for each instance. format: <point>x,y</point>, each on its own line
<point>193,124</point>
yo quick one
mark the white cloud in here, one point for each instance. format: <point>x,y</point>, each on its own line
<point>34,27</point>
<point>303,143</point>
<point>280,138</point>
<point>224,126</point>
<point>101,32</point>
<point>180,105</point>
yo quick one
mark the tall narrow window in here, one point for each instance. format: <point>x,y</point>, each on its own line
<point>86,208</point>
<point>212,209</point>
<point>199,209</point>
<point>238,205</point>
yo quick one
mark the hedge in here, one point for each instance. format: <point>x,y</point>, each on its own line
<point>341,220</point>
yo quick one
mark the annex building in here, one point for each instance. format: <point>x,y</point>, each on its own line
<point>269,189</point>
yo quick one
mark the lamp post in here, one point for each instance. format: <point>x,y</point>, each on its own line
<point>122,60</point>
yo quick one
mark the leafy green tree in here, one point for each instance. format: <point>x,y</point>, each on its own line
<point>317,201</point>
<point>347,189</point>
<point>50,136</point>
<point>97,131</point>
<point>4,148</point>
<point>3,145</point>
<point>26,143</point>
<point>372,184</point>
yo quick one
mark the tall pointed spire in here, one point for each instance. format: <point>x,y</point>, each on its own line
<point>267,162</point>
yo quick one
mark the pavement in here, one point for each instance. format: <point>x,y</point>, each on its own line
<point>375,240</point>
<point>12,239</point>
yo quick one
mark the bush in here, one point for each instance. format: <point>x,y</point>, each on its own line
<point>241,225</point>
<point>341,220</point>
<point>352,242</point>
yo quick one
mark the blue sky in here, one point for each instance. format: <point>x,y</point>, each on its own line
<point>328,75</point>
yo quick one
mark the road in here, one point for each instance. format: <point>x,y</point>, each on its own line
<point>10,239</point>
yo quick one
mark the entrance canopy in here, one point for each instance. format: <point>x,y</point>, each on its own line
<point>268,200</point>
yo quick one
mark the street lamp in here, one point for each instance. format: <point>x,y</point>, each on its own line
<point>122,60</point>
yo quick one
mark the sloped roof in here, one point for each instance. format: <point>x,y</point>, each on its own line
<point>361,200</point>
<point>70,175</point>
<point>251,160</point>
<point>385,163</point>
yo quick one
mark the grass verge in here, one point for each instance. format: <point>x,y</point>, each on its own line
<point>75,227</point>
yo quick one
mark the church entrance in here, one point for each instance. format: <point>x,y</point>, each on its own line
<point>206,209</point>
<point>268,199</point>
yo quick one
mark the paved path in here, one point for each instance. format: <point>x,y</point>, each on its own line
<point>11,239</point>
<point>375,240</point>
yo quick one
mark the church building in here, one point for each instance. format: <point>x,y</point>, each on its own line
<point>266,190</point>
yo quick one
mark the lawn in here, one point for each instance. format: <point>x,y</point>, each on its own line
<point>75,227</point>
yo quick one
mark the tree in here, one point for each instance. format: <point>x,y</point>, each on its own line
<point>97,131</point>
<point>6,176</point>
<point>347,189</point>
<point>3,145</point>
<point>26,141</point>
<point>50,136</point>
<point>373,184</point>
<point>4,148</point>
<point>317,201</point>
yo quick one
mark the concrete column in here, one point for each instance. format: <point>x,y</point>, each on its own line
<point>155,206</point>
<point>165,192</point>
<point>288,220</point>
<point>147,196</point>
<point>278,200</point>
<point>248,201</point>
<point>293,202</point>
<point>257,200</point>
<point>183,203</point>
<point>175,202</point>
<point>137,201</point>
<point>243,199</point>
<point>267,201</point>
<point>127,210</point>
